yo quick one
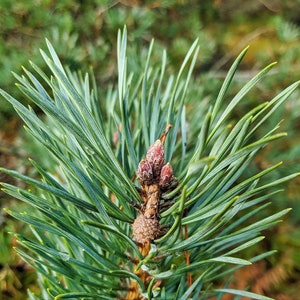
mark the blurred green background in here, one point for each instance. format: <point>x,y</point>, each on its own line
<point>84,35</point>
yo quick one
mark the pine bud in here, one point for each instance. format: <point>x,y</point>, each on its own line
<point>156,157</point>
<point>144,172</point>
<point>145,229</point>
<point>166,175</point>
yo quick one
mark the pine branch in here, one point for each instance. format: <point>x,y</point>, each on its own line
<point>133,211</point>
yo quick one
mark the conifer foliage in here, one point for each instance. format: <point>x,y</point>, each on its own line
<point>148,197</point>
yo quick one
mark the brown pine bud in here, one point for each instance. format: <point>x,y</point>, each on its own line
<point>166,175</point>
<point>144,172</point>
<point>156,157</point>
<point>145,229</point>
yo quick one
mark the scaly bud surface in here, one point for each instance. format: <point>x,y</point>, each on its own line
<point>156,157</point>
<point>145,229</point>
<point>166,175</point>
<point>144,172</point>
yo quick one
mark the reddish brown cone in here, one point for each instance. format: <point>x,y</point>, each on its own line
<point>156,157</point>
<point>166,175</point>
<point>145,230</point>
<point>144,172</point>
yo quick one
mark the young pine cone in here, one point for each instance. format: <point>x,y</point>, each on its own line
<point>145,229</point>
<point>166,175</point>
<point>156,157</point>
<point>144,172</point>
